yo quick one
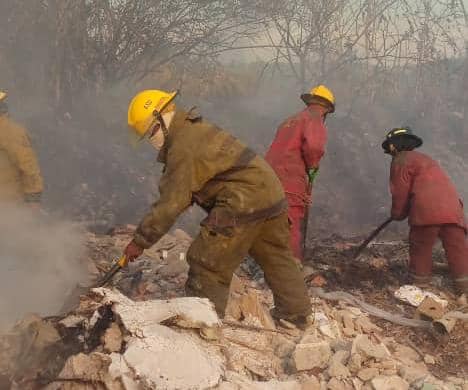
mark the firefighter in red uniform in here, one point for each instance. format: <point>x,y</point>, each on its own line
<point>423,193</point>
<point>295,156</point>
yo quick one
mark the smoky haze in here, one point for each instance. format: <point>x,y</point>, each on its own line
<point>72,67</point>
<point>40,259</point>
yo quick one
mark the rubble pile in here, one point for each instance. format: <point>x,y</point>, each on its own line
<point>142,333</point>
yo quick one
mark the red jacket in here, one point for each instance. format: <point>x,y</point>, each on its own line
<point>422,191</point>
<point>299,145</point>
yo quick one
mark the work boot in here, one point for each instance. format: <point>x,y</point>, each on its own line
<point>299,321</point>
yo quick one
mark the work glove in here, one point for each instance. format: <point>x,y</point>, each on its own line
<point>312,173</point>
<point>133,251</point>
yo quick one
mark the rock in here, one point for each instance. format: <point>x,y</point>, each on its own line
<point>406,354</point>
<point>337,368</point>
<point>389,383</point>
<point>335,384</point>
<point>235,381</point>
<point>312,383</point>
<point>355,363</point>
<point>112,338</point>
<point>157,358</point>
<point>362,344</point>
<point>462,300</point>
<point>83,368</point>
<point>366,374</point>
<point>282,347</point>
<point>309,356</point>
<point>364,325</point>
<point>187,312</point>
<point>429,359</point>
<point>254,312</point>
<point>431,308</point>
<point>378,262</point>
<point>416,372</point>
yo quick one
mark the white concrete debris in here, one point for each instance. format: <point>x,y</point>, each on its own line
<point>164,359</point>
<point>187,312</point>
<point>414,295</point>
<point>158,356</point>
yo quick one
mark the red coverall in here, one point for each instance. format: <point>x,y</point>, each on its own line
<point>423,192</point>
<point>298,146</point>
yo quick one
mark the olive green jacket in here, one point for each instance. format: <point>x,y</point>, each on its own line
<point>208,166</point>
<point>20,176</point>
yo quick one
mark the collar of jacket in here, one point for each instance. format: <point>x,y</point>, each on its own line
<point>178,122</point>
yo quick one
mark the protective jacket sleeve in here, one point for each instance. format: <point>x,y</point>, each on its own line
<point>314,139</point>
<point>175,189</point>
<point>400,187</point>
<point>22,155</point>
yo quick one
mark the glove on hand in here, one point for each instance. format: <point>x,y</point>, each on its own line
<point>312,173</point>
<point>133,251</point>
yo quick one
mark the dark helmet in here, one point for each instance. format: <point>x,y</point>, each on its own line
<point>403,138</point>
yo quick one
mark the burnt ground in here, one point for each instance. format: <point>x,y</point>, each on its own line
<point>374,277</point>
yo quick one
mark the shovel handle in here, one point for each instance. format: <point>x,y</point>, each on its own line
<point>374,234</point>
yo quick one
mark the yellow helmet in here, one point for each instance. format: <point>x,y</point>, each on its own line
<point>146,106</point>
<point>320,93</point>
<point>3,95</point>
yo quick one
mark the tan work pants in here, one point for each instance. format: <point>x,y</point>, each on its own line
<point>213,258</point>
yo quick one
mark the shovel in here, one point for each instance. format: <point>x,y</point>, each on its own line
<point>73,298</point>
<point>374,234</point>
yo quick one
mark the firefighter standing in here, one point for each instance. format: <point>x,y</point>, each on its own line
<point>20,176</point>
<point>295,155</point>
<point>423,193</point>
<point>241,193</point>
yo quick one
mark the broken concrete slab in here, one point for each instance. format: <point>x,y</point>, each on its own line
<point>311,355</point>
<point>186,312</point>
<point>337,368</point>
<point>156,359</point>
<point>363,345</point>
<point>389,383</point>
<point>431,308</point>
<point>413,373</point>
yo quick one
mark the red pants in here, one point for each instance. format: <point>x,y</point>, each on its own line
<point>423,238</point>
<point>296,216</point>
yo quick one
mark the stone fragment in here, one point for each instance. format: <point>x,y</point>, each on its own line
<point>362,344</point>
<point>431,308</point>
<point>336,367</point>
<point>309,356</point>
<point>365,325</point>
<point>254,312</point>
<point>335,384</point>
<point>429,359</point>
<point>366,374</point>
<point>92,368</point>
<point>112,338</point>
<point>355,362</point>
<point>389,383</point>
<point>413,373</point>
<point>406,354</point>
<point>312,383</point>
<point>282,346</point>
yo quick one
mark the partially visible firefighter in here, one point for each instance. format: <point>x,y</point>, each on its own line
<point>240,192</point>
<point>20,175</point>
<point>295,155</point>
<point>423,193</point>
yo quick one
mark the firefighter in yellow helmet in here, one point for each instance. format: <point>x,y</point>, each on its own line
<point>295,155</point>
<point>241,194</point>
<point>20,176</point>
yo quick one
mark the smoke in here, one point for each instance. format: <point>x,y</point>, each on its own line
<point>40,262</point>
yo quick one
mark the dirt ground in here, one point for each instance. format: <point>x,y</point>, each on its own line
<point>375,276</point>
